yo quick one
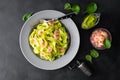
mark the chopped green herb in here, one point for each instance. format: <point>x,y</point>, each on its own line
<point>75,8</point>
<point>26,16</point>
<point>88,58</point>
<point>91,8</point>
<point>67,6</point>
<point>107,43</point>
<point>94,53</point>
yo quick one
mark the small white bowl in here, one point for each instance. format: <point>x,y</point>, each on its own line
<point>109,36</point>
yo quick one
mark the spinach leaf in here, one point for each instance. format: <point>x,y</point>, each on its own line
<point>91,8</point>
<point>26,16</point>
<point>107,43</point>
<point>94,53</point>
<point>67,6</point>
<point>75,8</point>
<point>88,58</point>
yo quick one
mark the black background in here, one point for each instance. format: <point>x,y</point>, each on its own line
<point>13,65</point>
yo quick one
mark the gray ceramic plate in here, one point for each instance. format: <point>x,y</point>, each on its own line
<point>60,62</point>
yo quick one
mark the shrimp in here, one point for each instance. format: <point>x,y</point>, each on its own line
<point>62,50</point>
<point>56,34</point>
<point>42,55</point>
<point>51,23</point>
<point>56,37</point>
<point>40,32</point>
<point>49,49</point>
<point>43,43</point>
<point>33,40</point>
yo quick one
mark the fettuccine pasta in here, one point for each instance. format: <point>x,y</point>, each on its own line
<point>49,40</point>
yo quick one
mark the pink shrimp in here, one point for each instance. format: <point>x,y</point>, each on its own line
<point>49,49</point>
<point>40,32</point>
<point>51,23</point>
<point>42,55</point>
<point>62,50</point>
<point>34,41</point>
<point>43,43</point>
<point>56,37</point>
<point>56,34</point>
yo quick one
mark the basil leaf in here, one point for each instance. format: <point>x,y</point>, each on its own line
<point>88,58</point>
<point>94,53</point>
<point>75,8</point>
<point>107,43</point>
<point>67,6</point>
<point>26,16</point>
<point>91,8</point>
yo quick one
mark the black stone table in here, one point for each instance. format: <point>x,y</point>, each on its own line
<point>13,65</point>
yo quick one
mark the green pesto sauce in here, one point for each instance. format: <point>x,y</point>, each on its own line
<point>90,21</point>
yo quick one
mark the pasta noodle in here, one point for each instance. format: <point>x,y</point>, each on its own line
<point>49,40</point>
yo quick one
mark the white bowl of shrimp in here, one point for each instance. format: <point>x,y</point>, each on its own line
<point>98,36</point>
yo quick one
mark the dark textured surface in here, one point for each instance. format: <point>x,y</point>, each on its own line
<point>13,65</point>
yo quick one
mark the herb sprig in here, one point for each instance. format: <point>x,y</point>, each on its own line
<point>107,43</point>
<point>74,8</point>
<point>26,16</point>
<point>88,58</point>
<point>92,54</point>
<point>91,8</point>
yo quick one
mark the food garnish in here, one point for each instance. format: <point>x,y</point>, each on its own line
<point>107,43</point>
<point>92,54</point>
<point>88,58</point>
<point>74,8</point>
<point>26,16</point>
<point>91,8</point>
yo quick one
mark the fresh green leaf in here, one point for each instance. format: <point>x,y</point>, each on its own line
<point>107,43</point>
<point>26,16</point>
<point>91,8</point>
<point>94,53</point>
<point>67,6</point>
<point>75,8</point>
<point>88,58</point>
